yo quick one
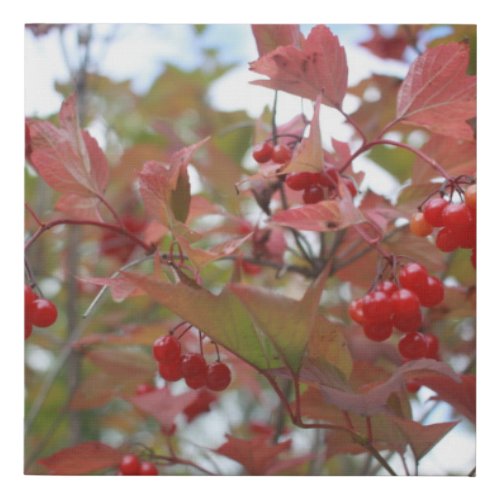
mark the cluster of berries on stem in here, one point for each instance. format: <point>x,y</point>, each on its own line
<point>174,365</point>
<point>131,465</point>
<point>37,311</point>
<point>395,303</point>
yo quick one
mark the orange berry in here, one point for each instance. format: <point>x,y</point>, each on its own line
<point>419,226</point>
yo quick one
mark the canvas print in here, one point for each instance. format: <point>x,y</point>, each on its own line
<point>250,250</point>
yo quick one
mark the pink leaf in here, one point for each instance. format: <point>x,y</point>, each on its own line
<point>438,94</point>
<point>270,36</point>
<point>320,67</point>
<point>82,459</point>
<point>121,288</point>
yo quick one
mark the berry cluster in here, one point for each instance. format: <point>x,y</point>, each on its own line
<point>456,222</point>
<point>391,305</point>
<point>318,186</point>
<point>37,311</point>
<point>278,153</point>
<point>131,465</point>
<point>197,373</point>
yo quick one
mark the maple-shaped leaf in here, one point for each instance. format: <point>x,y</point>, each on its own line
<point>319,67</point>
<point>69,160</point>
<point>329,215</point>
<point>270,36</point>
<point>438,94</point>
<point>165,188</point>
<point>84,458</point>
<point>257,455</point>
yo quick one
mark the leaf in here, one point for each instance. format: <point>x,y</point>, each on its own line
<point>270,36</point>
<point>438,94</point>
<point>83,458</point>
<point>287,322</point>
<point>391,47</point>
<point>222,317</point>
<point>120,287</point>
<point>257,455</point>
<point>329,215</point>
<point>320,67</point>
<point>308,155</point>
<point>201,404</point>
<point>69,159</point>
<point>120,363</point>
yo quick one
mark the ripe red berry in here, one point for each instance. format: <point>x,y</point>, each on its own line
<point>447,240</point>
<point>42,312</point>
<point>313,194</point>
<point>328,178</point>
<point>413,276</point>
<point>281,153</point>
<point>432,346</point>
<point>148,469</point>
<point>388,287</point>
<point>413,346</point>
<point>412,386</point>
<point>172,371</point>
<point>356,311</point>
<point>218,376</point>
<point>470,197</point>
<point>377,307</point>
<point>262,153</point>
<point>433,294</point>
<point>167,349</point>
<point>299,181</point>
<point>193,365</point>
<point>378,331</point>
<point>130,465</point>
<point>433,211</point>
<point>457,217</point>
<point>405,303</point>
<point>419,226</point>
<point>29,295</point>
<point>196,381</point>
<point>408,323</point>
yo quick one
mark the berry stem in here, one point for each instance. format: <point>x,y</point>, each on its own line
<point>354,125</point>
<point>33,214</point>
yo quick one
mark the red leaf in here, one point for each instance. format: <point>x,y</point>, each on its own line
<point>438,94</point>
<point>200,405</point>
<point>67,158</point>
<point>320,67</point>
<point>257,455</point>
<point>82,459</point>
<point>270,36</point>
<point>385,47</point>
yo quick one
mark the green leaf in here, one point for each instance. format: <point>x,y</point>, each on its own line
<point>222,317</point>
<point>181,197</point>
<point>396,161</point>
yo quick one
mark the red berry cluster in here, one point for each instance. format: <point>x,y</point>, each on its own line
<point>392,305</point>
<point>131,465</point>
<point>278,153</point>
<point>456,222</point>
<point>37,311</point>
<point>318,186</point>
<point>197,373</point>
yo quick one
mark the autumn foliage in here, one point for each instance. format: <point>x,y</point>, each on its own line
<point>284,286</point>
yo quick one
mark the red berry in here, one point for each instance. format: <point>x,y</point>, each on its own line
<point>419,226</point>
<point>405,303</point>
<point>467,237</point>
<point>412,386</point>
<point>144,389</point>
<point>433,294</point>
<point>356,311</point>
<point>262,153</point>
<point>193,365</point>
<point>148,469</point>
<point>250,268</point>
<point>130,465</point>
<point>42,312</point>
<point>470,197</point>
<point>166,349</point>
<point>433,211</point>
<point>432,346</point>
<point>377,307</point>
<point>447,240</point>
<point>378,331</point>
<point>457,217</point>
<point>413,346</point>
<point>299,181</point>
<point>172,371</point>
<point>408,323</point>
<point>281,153</point>
<point>196,381</point>
<point>328,178</point>
<point>218,376</point>
<point>313,194</point>
<point>413,276</point>
<point>29,295</point>
<point>388,287</point>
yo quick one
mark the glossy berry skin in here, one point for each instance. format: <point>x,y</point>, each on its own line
<point>447,240</point>
<point>378,331</point>
<point>470,197</point>
<point>167,349</point>
<point>419,226</point>
<point>29,295</point>
<point>432,346</point>
<point>196,381</point>
<point>130,465</point>
<point>433,294</point>
<point>413,346</point>
<point>412,386</point>
<point>433,211</point>
<point>42,312</point>
<point>377,307</point>
<point>281,153</point>
<point>262,153</point>
<point>313,194</point>
<point>172,371</point>
<point>388,287</point>
<point>193,365</point>
<point>405,303</point>
<point>148,469</point>
<point>299,181</point>
<point>328,178</point>
<point>413,276</point>
<point>218,376</point>
<point>356,311</point>
<point>457,216</point>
